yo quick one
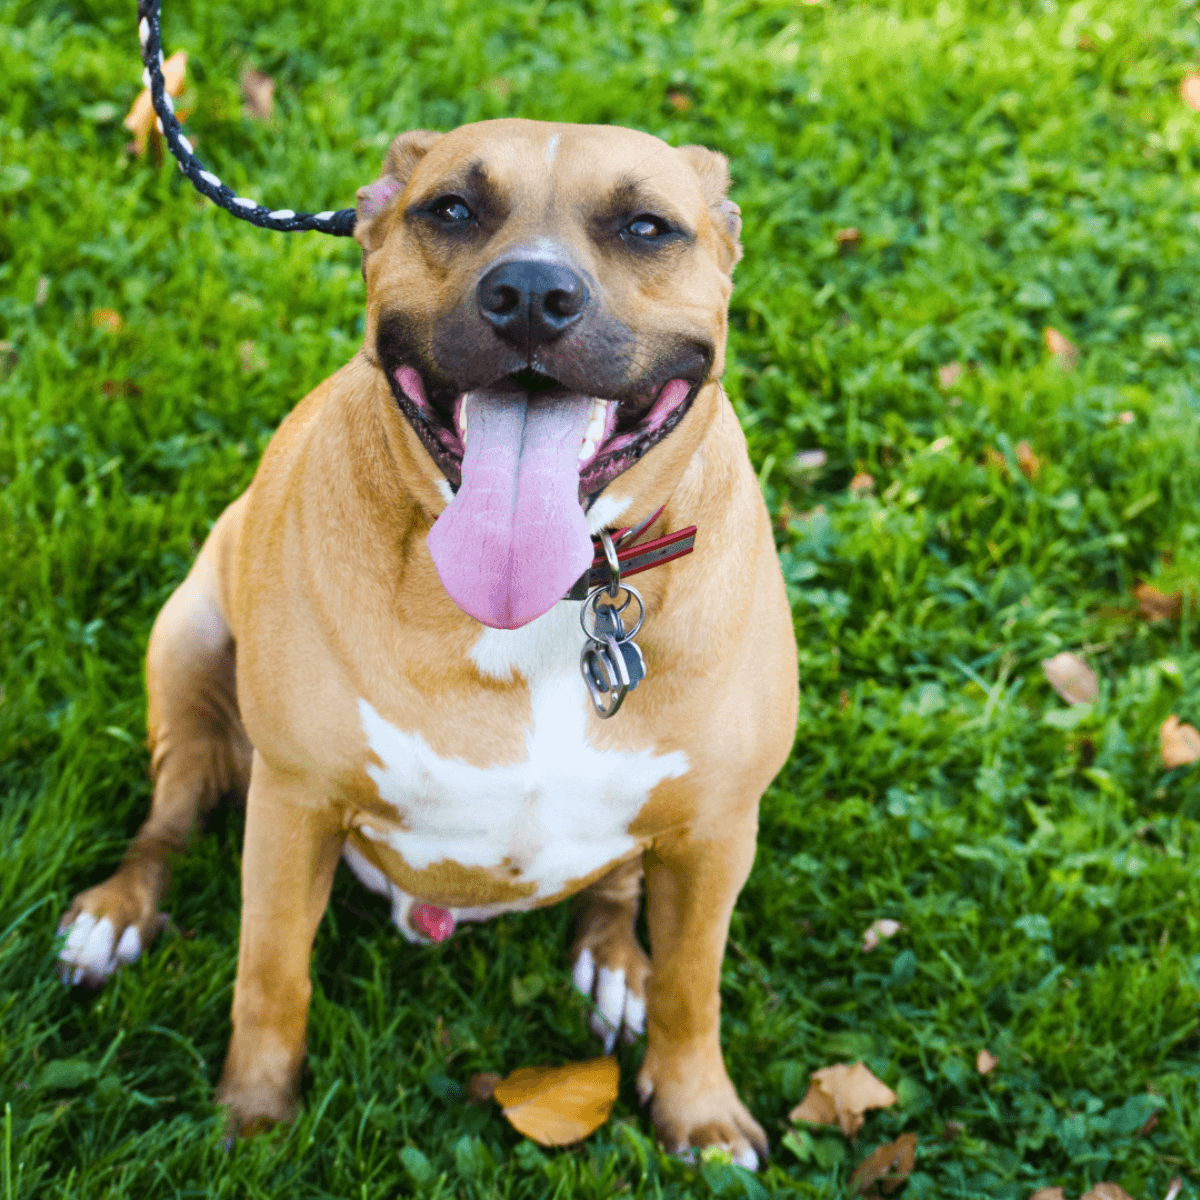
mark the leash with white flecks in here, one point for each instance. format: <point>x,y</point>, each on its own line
<point>284,220</point>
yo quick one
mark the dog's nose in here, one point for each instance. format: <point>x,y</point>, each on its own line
<point>529,301</point>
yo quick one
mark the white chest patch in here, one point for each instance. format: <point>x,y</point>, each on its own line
<point>557,816</point>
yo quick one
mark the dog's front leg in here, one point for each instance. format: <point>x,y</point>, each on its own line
<point>692,881</point>
<point>289,855</point>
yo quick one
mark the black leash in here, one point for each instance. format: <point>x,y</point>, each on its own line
<point>340,223</point>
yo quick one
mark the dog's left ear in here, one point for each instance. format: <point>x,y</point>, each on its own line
<point>713,172</point>
<point>376,199</point>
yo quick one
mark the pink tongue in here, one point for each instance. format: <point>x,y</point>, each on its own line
<point>514,539</point>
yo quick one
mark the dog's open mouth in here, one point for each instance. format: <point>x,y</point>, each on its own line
<point>618,431</point>
<point>526,454</point>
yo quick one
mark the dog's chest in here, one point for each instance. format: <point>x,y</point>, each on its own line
<point>554,817</point>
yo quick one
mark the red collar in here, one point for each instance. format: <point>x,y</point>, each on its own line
<point>633,558</point>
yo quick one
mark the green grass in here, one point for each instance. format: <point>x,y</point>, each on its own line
<point>1009,166</point>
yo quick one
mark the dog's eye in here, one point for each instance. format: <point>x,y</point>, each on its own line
<point>646,226</point>
<point>451,209</point>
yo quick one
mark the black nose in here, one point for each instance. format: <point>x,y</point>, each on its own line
<point>529,301</point>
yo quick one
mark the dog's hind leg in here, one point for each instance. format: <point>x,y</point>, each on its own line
<point>608,962</point>
<point>199,750</point>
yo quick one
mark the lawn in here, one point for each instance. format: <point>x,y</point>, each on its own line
<point>1008,167</point>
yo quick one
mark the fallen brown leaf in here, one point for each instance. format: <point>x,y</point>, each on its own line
<point>140,118</point>
<point>556,1106</point>
<point>840,1095</point>
<point>258,95</point>
<point>1106,1191</point>
<point>251,358</point>
<point>993,458</point>
<point>862,482</point>
<point>986,1062</point>
<point>680,101</point>
<point>107,318</point>
<point>114,388</point>
<point>1030,464</point>
<point>950,374</point>
<point>1190,90</point>
<point>1049,1194</point>
<point>481,1087</point>
<point>1180,743</point>
<point>1071,678</point>
<point>890,1165</point>
<point>1154,605</point>
<point>848,239</point>
<point>885,927</point>
<point>1060,348</point>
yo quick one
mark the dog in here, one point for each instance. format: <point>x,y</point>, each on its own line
<point>374,645</point>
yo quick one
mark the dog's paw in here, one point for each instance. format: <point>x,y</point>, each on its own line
<point>689,1118</point>
<point>251,1109</point>
<point>104,929</point>
<point>619,993</point>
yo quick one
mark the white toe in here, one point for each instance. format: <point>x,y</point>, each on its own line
<point>747,1158</point>
<point>610,996</point>
<point>584,973</point>
<point>77,935</point>
<point>96,957</point>
<point>635,1016</point>
<point>129,948</point>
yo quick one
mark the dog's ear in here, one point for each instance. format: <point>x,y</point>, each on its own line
<point>712,169</point>
<point>377,198</point>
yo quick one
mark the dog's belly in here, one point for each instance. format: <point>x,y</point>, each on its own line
<point>486,839</point>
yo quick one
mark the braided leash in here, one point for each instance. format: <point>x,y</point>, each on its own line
<point>339,224</point>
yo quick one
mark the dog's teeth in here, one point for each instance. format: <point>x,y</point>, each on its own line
<point>593,435</point>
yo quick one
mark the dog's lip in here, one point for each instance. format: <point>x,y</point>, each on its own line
<point>614,452</point>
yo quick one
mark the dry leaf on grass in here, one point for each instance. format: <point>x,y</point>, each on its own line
<point>1071,678</point>
<point>252,358</point>
<point>1106,1191</point>
<point>1060,348</point>
<point>1190,90</point>
<point>140,118</point>
<point>1155,605</point>
<point>556,1106</point>
<point>258,95</point>
<point>1030,464</point>
<point>889,1166</point>
<point>481,1087</point>
<point>107,318</point>
<point>1049,1194</point>
<point>986,1062</point>
<point>883,928</point>
<point>840,1095</point>
<point>679,101</point>
<point>950,374</point>
<point>993,458</point>
<point>862,482</point>
<point>1180,743</point>
<point>848,239</point>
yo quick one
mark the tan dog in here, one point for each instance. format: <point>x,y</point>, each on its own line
<point>546,322</point>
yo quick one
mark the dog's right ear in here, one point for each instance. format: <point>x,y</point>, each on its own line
<point>376,199</point>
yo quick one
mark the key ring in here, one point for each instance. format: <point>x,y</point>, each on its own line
<point>592,603</point>
<point>614,563</point>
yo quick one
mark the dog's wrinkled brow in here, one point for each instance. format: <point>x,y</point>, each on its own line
<point>631,196</point>
<point>472,182</point>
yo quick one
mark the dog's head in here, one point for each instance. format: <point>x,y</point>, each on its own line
<point>546,301</point>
